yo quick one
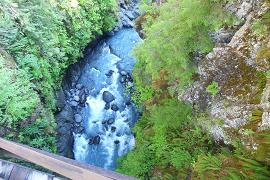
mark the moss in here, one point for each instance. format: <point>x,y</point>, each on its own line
<point>260,85</point>
<point>263,53</point>
<point>236,78</point>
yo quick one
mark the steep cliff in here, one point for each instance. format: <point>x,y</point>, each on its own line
<point>239,64</point>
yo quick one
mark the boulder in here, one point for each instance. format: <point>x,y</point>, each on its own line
<point>110,121</point>
<point>130,15</point>
<point>125,20</point>
<point>78,118</point>
<point>106,128</point>
<point>79,130</point>
<point>73,103</point>
<point>107,97</point>
<point>128,103</point>
<point>79,86</point>
<point>122,79</point>
<point>109,73</point>
<point>96,140</point>
<point>90,141</point>
<point>129,78</point>
<point>123,73</point>
<point>82,98</point>
<point>114,107</point>
<point>76,98</point>
<point>113,129</point>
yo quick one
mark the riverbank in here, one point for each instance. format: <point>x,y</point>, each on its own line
<point>72,98</point>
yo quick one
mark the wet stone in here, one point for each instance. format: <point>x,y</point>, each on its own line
<point>122,79</point>
<point>107,97</point>
<point>79,129</point>
<point>90,141</point>
<point>128,103</point>
<point>73,103</point>
<point>113,128</point>
<point>107,106</point>
<point>79,86</point>
<point>77,125</point>
<point>78,118</point>
<point>77,92</point>
<point>109,73</point>
<point>96,140</point>
<point>76,98</point>
<point>123,73</point>
<point>83,99</point>
<point>106,128</point>
<point>110,121</point>
<point>114,107</point>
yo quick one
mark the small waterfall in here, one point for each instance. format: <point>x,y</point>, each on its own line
<point>107,123</point>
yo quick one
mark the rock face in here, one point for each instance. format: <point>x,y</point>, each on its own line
<point>68,119</point>
<point>129,10</point>
<point>64,134</point>
<point>238,68</point>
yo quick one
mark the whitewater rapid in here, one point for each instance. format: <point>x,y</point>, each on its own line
<point>107,131</point>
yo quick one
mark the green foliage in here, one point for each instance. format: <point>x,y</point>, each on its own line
<point>17,97</point>
<point>142,94</point>
<point>181,29</point>
<point>212,88</point>
<point>39,134</point>
<point>261,26</point>
<point>229,166</point>
<point>208,164</point>
<point>165,137</point>
<point>44,37</point>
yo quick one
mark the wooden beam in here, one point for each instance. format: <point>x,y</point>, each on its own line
<point>61,165</point>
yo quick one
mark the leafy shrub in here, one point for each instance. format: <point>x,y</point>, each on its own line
<point>212,88</point>
<point>39,134</point>
<point>47,36</point>
<point>229,166</point>
<point>44,37</point>
<point>167,139</point>
<point>17,97</point>
<point>180,30</point>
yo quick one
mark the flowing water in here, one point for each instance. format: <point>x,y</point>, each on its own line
<point>107,134</point>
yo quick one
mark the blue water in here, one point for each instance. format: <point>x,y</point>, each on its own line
<point>116,139</point>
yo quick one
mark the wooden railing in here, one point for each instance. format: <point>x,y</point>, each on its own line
<point>61,165</point>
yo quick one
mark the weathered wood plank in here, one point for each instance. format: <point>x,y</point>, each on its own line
<point>61,165</point>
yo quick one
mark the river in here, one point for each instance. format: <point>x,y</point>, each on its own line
<point>109,114</point>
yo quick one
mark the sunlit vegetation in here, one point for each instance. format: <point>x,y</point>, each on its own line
<point>180,30</point>
<point>169,142</point>
<point>43,37</point>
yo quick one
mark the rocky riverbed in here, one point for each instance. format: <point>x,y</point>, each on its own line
<point>95,111</point>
